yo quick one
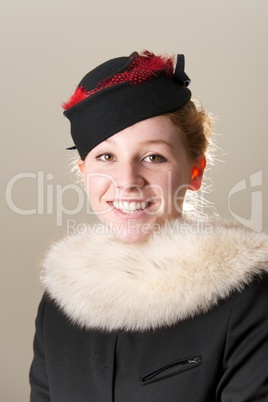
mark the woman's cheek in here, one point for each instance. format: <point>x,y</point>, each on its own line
<point>98,189</point>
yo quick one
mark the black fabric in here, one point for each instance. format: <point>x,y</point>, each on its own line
<point>219,356</point>
<point>113,109</point>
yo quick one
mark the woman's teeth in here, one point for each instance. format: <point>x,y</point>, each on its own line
<point>130,207</point>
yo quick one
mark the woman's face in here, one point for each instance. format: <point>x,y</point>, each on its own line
<point>137,179</point>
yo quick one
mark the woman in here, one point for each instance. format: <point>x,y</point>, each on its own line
<point>152,306</point>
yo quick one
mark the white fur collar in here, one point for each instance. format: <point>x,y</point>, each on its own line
<point>101,283</point>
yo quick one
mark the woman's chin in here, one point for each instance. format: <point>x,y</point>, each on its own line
<point>134,233</point>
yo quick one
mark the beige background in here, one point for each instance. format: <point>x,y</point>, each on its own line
<point>46,47</point>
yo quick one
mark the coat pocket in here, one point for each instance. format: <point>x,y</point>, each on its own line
<point>171,369</point>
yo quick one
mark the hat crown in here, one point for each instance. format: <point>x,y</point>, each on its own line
<point>124,91</point>
<point>105,70</point>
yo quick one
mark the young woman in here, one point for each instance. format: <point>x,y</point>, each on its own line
<point>153,306</point>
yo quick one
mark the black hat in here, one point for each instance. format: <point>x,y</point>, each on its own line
<point>122,92</point>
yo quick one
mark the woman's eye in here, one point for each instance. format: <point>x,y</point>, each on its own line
<point>154,159</point>
<point>106,157</point>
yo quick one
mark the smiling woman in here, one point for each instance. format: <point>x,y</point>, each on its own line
<point>159,307</point>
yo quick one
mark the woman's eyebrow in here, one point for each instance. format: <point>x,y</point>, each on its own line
<point>145,142</point>
<point>152,142</point>
<point>109,140</point>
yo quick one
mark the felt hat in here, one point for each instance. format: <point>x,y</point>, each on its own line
<point>122,92</point>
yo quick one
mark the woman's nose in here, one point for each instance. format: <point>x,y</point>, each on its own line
<point>129,176</point>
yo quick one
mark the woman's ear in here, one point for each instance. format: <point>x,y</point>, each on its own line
<point>80,165</point>
<point>197,173</point>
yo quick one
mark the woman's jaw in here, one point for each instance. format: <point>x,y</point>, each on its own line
<point>134,220</point>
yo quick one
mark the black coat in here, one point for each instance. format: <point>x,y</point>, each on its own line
<point>218,354</point>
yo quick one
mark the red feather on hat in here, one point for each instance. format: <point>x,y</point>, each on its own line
<point>144,67</point>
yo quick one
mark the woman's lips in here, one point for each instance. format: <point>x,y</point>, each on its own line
<point>130,209</point>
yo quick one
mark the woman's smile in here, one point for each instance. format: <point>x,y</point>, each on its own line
<point>130,207</point>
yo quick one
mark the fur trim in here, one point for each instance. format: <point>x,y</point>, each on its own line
<point>184,270</point>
